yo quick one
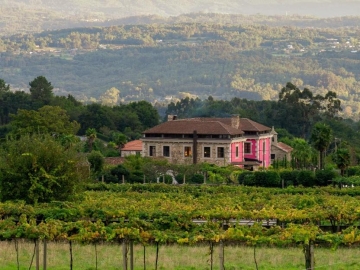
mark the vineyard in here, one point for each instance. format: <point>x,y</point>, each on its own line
<point>156,215</point>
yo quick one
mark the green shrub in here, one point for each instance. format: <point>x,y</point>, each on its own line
<point>246,178</point>
<point>289,177</point>
<point>354,170</point>
<point>196,179</point>
<point>324,177</point>
<point>306,178</point>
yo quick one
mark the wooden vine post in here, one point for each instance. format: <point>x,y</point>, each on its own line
<point>37,255</point>
<point>211,255</point>
<point>124,246</point>
<point>71,255</point>
<point>144,257</point>
<point>131,255</point>
<point>45,255</point>
<point>309,256</point>
<point>221,255</point>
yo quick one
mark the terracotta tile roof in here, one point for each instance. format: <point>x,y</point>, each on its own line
<point>206,126</point>
<point>286,148</point>
<point>250,125</point>
<point>203,126</point>
<point>133,146</point>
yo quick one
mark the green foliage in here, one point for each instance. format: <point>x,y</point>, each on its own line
<point>325,177</point>
<point>353,170</point>
<point>321,137</point>
<point>96,160</point>
<point>196,179</point>
<point>119,171</point>
<point>47,120</point>
<point>247,178</point>
<point>289,177</point>
<point>306,178</point>
<point>38,169</point>
<point>342,159</point>
<point>41,91</point>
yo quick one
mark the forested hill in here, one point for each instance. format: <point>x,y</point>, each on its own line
<point>163,62</point>
<point>36,15</point>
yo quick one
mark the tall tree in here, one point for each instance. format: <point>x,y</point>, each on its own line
<point>48,119</point>
<point>301,108</point>
<point>91,135</point>
<point>321,137</point>
<point>3,86</point>
<point>38,168</point>
<point>41,91</point>
<point>342,159</point>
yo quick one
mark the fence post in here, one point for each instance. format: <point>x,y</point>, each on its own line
<point>131,255</point>
<point>124,254</point>
<point>45,255</point>
<point>312,257</point>
<point>309,256</point>
<point>123,179</point>
<point>221,255</point>
<point>37,254</point>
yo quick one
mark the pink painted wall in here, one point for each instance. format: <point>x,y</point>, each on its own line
<point>253,149</point>
<point>233,152</point>
<point>258,151</point>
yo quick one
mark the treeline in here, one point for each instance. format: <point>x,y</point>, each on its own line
<point>23,112</point>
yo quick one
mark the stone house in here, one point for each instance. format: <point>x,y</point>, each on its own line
<point>220,141</point>
<point>131,148</point>
<point>279,151</point>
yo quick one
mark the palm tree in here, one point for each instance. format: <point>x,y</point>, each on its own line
<point>342,159</point>
<point>321,136</point>
<point>91,136</point>
<point>302,153</point>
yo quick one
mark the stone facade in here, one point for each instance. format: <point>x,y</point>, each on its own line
<point>220,153</point>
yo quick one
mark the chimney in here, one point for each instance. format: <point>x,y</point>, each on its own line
<point>235,121</point>
<point>172,117</point>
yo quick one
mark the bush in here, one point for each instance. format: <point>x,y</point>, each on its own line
<point>96,160</point>
<point>120,171</point>
<point>324,177</point>
<point>245,178</point>
<point>196,179</point>
<point>306,178</point>
<point>39,169</point>
<point>289,177</point>
<point>354,170</point>
<point>136,177</point>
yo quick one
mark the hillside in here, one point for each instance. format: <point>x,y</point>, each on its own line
<point>162,62</point>
<point>37,15</point>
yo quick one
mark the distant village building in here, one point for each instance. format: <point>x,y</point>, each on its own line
<point>132,148</point>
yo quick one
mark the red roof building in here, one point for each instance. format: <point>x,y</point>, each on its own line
<point>132,148</point>
<point>221,141</point>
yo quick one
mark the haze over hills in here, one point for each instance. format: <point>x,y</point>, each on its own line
<point>36,15</point>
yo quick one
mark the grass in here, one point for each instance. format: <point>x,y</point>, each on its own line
<point>175,257</point>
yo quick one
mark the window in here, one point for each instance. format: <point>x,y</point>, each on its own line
<point>247,148</point>
<point>272,156</point>
<point>207,152</point>
<point>187,151</point>
<point>152,151</point>
<point>220,152</point>
<point>237,151</point>
<point>166,151</point>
